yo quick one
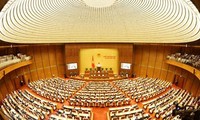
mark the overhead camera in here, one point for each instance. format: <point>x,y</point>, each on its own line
<point>186,112</point>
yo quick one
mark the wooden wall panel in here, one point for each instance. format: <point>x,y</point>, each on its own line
<point>1,95</point>
<point>45,56</point>
<point>195,86</point>
<point>34,75</point>
<point>61,71</point>
<point>156,66</point>
<point>171,73</point>
<point>150,72</point>
<point>156,73</point>
<point>49,60</point>
<point>133,57</point>
<point>26,69</point>
<point>198,92</point>
<point>152,56</point>
<point>47,72</point>
<point>145,56</point>
<point>138,57</point>
<point>143,71</point>
<point>12,84</point>
<point>40,73</point>
<point>125,55</point>
<point>178,70</point>
<point>159,58</point>
<point>136,70</point>
<point>3,89</point>
<point>60,54</point>
<point>8,84</point>
<point>38,58</point>
<point>31,53</point>
<point>27,78</point>
<point>137,60</point>
<point>39,64</point>
<point>72,53</point>
<point>54,71</point>
<point>189,83</point>
<point>170,76</point>
<point>163,74</point>
<point>17,81</point>
<point>184,74</point>
<point>165,53</point>
<point>18,71</point>
<point>52,55</point>
<point>13,76</point>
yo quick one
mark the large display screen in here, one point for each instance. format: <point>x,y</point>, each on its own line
<point>72,66</point>
<point>126,66</point>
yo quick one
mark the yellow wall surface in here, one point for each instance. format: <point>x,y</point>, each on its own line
<point>108,58</point>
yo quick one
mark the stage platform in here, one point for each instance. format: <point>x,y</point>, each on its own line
<point>97,79</point>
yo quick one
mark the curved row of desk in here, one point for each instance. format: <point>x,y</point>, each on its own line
<point>82,96</point>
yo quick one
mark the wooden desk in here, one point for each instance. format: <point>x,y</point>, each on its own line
<point>105,79</point>
<point>94,74</point>
<point>98,77</point>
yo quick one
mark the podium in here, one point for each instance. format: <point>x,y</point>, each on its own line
<point>99,74</point>
<point>98,67</point>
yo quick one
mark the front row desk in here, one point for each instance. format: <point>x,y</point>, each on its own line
<point>99,74</point>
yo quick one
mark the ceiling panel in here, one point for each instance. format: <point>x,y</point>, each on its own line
<point>76,21</point>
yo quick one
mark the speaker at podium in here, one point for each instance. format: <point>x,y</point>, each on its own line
<point>98,67</point>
